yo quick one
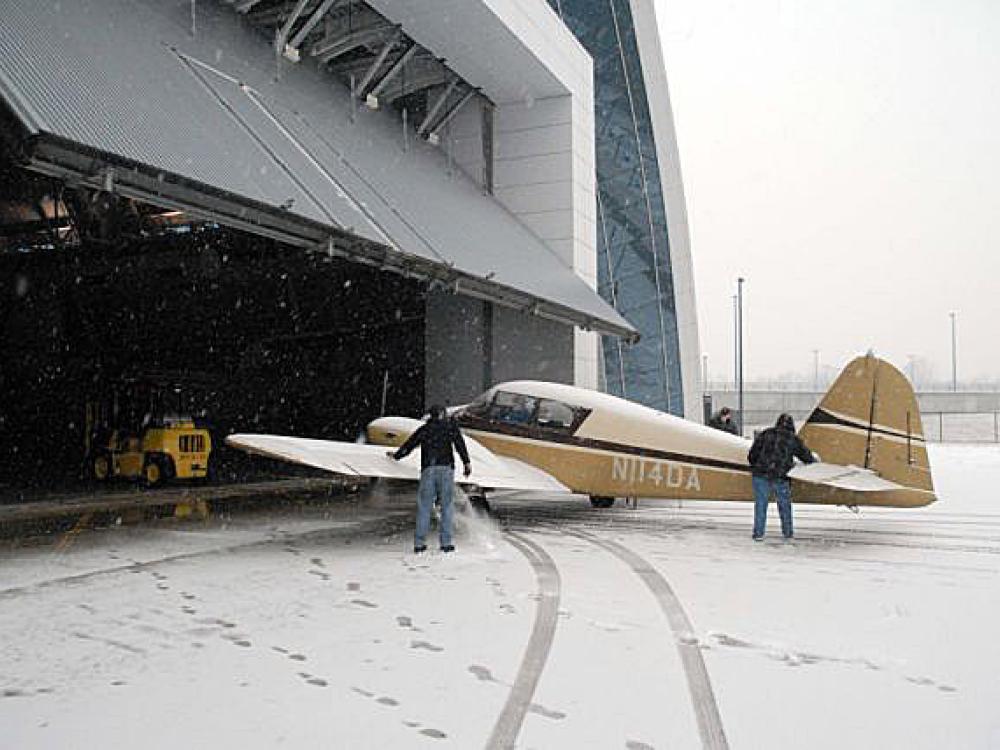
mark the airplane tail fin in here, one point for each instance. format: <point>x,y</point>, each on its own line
<point>870,418</point>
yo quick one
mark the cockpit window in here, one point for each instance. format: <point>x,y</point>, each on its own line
<point>513,408</point>
<point>555,415</point>
<point>536,415</point>
<point>481,406</point>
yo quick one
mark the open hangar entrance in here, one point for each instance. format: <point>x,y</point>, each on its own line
<point>249,333</point>
<point>202,225</point>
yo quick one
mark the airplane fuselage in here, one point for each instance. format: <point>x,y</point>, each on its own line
<point>603,446</point>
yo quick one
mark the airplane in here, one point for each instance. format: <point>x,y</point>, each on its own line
<point>551,437</point>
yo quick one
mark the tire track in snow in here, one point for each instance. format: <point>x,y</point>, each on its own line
<point>508,723</point>
<point>706,710</point>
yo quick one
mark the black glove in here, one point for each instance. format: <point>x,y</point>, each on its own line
<point>468,469</point>
<point>392,455</point>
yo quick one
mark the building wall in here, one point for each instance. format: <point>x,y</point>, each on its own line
<point>543,167</point>
<point>472,345</point>
<point>643,251</point>
<point>540,82</point>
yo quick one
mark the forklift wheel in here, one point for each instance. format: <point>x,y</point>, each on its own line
<point>102,467</point>
<point>152,473</point>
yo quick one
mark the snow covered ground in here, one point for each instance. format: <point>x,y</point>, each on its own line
<point>554,625</point>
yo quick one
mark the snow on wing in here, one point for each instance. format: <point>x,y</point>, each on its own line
<point>489,470</point>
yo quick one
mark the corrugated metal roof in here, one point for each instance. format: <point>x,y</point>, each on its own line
<point>128,78</point>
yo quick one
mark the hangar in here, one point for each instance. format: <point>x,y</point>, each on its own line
<point>295,214</point>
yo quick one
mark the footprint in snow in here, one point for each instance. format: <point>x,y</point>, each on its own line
<point>426,646</point>
<point>435,733</point>
<point>482,673</point>
<point>636,745</point>
<point>536,708</point>
<point>727,640</point>
<point>387,701</point>
<point>364,603</point>
<point>353,586</point>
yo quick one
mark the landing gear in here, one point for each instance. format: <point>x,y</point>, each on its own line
<point>601,502</point>
<point>479,503</point>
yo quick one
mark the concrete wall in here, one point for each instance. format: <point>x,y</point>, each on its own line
<point>456,348</point>
<point>544,174</point>
<point>804,401</point>
<point>947,416</point>
<point>472,345</point>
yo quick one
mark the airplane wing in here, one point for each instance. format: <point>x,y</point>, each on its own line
<point>489,470</point>
<point>852,478</point>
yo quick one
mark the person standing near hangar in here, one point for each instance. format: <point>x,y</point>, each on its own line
<point>723,420</point>
<point>771,457</point>
<point>437,473</point>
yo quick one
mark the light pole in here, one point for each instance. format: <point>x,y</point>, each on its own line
<point>739,347</point>
<point>816,370</point>
<point>954,353</point>
<point>736,346</point>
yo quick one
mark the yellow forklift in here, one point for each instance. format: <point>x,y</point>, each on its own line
<point>137,429</point>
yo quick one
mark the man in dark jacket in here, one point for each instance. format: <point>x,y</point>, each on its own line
<point>723,420</point>
<point>771,457</point>
<point>437,472</point>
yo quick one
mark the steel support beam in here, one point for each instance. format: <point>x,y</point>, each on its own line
<point>310,24</point>
<point>286,29</point>
<point>454,110</point>
<point>245,5</point>
<point>394,70</point>
<point>377,63</point>
<point>328,50</point>
<point>424,80</point>
<point>436,106</point>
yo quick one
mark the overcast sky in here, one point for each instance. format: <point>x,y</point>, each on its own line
<point>845,158</point>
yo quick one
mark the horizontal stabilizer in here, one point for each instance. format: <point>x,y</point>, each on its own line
<point>851,478</point>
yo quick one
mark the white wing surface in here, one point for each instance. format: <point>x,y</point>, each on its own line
<point>489,470</point>
<point>843,477</point>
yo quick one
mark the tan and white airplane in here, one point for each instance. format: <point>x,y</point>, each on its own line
<point>530,435</point>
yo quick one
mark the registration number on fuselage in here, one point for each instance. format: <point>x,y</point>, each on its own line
<point>638,470</point>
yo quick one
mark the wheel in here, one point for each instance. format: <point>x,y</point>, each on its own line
<point>601,502</point>
<point>102,467</point>
<point>480,503</point>
<point>152,472</point>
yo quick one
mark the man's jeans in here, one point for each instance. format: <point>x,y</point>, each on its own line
<point>762,489</point>
<point>435,482</point>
